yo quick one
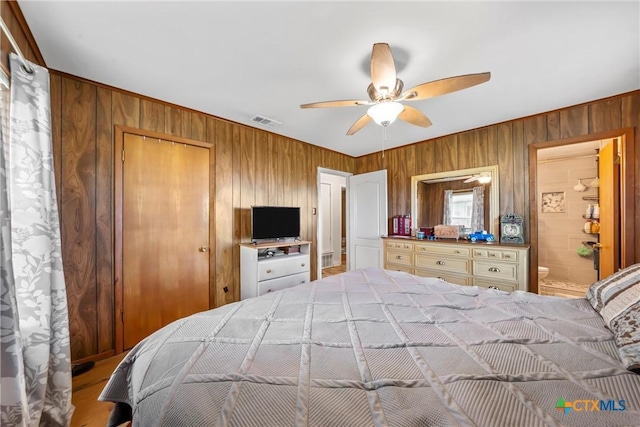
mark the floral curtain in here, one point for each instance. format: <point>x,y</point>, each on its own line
<point>477,209</point>
<point>448,199</point>
<point>34,352</point>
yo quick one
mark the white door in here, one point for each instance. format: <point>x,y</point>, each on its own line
<point>367,213</point>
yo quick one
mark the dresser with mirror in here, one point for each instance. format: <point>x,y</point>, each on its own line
<point>442,195</point>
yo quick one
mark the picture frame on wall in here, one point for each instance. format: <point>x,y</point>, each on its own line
<point>552,202</point>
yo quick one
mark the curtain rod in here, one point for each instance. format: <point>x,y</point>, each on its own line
<point>15,46</point>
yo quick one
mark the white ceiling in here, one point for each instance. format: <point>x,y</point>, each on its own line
<point>237,59</point>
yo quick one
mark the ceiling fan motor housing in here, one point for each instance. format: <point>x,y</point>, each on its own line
<point>378,96</point>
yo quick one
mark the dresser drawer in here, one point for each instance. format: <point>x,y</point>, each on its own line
<point>282,283</point>
<point>282,266</point>
<point>399,257</point>
<point>457,279</point>
<point>443,263</point>
<point>442,250</point>
<point>488,253</point>
<point>485,283</point>
<point>399,246</point>
<point>398,267</point>
<point>495,270</point>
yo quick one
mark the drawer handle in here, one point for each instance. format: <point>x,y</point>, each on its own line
<point>493,287</point>
<point>441,278</point>
<point>494,269</point>
<point>456,251</point>
<point>268,270</point>
<point>268,290</point>
<point>440,262</point>
<point>399,257</point>
<point>302,265</point>
<point>493,255</point>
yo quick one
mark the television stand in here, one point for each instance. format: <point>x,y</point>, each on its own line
<point>271,266</point>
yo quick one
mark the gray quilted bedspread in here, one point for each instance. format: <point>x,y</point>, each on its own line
<point>374,347</point>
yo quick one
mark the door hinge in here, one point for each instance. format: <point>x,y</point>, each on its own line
<point>122,155</point>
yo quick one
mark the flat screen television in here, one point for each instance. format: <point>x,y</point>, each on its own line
<point>274,222</point>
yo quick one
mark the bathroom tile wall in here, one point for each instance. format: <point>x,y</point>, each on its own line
<point>560,234</point>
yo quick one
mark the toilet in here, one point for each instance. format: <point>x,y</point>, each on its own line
<point>542,272</point>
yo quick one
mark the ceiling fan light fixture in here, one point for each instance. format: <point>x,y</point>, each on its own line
<point>385,113</point>
<point>484,179</point>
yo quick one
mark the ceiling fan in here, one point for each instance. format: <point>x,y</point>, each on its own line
<point>385,93</point>
<point>482,178</point>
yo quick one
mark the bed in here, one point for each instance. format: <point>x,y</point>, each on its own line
<point>373,347</point>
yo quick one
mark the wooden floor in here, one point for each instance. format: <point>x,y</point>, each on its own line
<point>337,269</point>
<point>86,389</point>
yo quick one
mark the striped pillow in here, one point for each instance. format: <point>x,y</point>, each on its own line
<point>617,299</point>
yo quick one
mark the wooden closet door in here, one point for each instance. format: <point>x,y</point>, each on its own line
<point>165,234</point>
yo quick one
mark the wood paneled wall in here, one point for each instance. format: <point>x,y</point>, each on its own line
<point>253,167</point>
<point>505,144</point>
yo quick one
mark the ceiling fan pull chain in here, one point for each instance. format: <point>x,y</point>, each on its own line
<point>384,139</point>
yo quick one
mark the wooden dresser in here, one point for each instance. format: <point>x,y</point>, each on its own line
<point>490,265</point>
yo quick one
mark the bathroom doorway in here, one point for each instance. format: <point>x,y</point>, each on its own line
<point>568,215</point>
<point>567,202</point>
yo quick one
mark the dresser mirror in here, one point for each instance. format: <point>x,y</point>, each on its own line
<point>449,198</point>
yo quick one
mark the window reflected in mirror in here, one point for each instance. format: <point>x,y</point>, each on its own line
<point>460,207</point>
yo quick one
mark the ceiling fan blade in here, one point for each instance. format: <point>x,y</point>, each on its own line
<point>414,116</point>
<point>473,178</point>
<point>359,124</point>
<point>444,86</point>
<point>383,69</point>
<point>343,103</point>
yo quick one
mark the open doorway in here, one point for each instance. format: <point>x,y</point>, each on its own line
<point>616,207</point>
<point>332,222</point>
<point>568,216</point>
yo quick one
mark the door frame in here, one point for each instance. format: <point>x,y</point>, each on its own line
<point>627,201</point>
<point>319,173</point>
<point>117,203</point>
